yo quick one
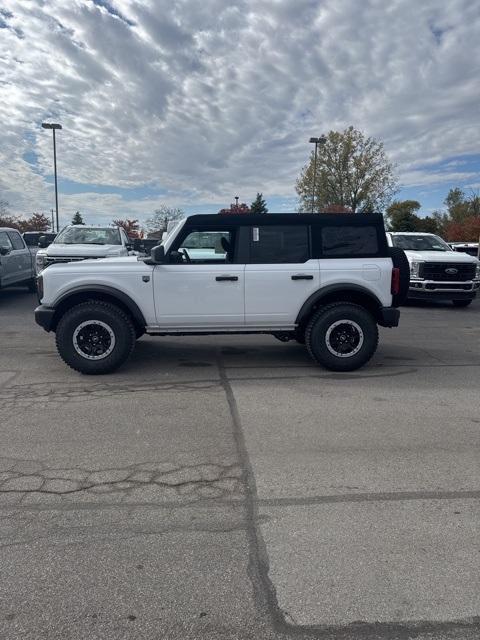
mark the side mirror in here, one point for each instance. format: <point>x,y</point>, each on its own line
<point>129,246</point>
<point>43,242</point>
<point>4,251</point>
<point>157,254</point>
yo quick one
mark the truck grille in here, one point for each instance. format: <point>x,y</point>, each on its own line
<point>440,271</point>
<point>62,259</point>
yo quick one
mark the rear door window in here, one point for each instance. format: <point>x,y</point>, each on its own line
<point>279,244</point>
<point>349,242</point>
<point>16,240</point>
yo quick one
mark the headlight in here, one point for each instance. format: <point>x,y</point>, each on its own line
<point>40,261</point>
<point>477,272</point>
<point>415,269</point>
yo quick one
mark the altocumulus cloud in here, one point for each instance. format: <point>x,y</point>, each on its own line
<point>188,102</point>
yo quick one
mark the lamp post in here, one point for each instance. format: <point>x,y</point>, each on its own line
<point>316,141</point>
<point>53,126</point>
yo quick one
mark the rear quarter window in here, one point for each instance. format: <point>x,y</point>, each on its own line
<point>348,241</point>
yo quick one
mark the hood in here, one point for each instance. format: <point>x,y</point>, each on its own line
<point>87,250</point>
<point>439,256</point>
<point>102,265</point>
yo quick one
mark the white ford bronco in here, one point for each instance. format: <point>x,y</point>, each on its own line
<point>436,270</point>
<point>326,280</point>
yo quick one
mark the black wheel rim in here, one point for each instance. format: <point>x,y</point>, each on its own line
<point>94,340</point>
<point>344,338</point>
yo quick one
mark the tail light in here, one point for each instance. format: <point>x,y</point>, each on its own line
<point>395,289</point>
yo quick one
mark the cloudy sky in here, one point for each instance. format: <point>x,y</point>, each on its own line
<point>191,102</point>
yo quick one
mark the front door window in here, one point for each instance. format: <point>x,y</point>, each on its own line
<point>207,247</point>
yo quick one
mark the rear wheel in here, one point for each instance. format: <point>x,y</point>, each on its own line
<point>461,303</point>
<point>342,336</point>
<point>95,337</point>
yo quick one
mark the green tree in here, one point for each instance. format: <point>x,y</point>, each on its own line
<point>460,206</point>
<point>428,224</point>
<point>77,218</point>
<point>441,220</point>
<point>402,215</point>
<point>162,216</point>
<point>259,205</point>
<point>352,171</point>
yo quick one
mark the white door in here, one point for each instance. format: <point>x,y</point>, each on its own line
<point>280,275</point>
<point>201,285</point>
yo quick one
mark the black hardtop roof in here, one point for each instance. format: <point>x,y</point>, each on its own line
<point>242,219</point>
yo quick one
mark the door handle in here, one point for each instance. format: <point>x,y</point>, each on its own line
<point>302,276</point>
<point>226,278</point>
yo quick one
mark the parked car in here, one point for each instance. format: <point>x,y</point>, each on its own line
<point>16,261</point>
<point>82,242</point>
<point>143,246</point>
<point>31,238</point>
<point>323,280</point>
<point>472,248</point>
<point>436,271</point>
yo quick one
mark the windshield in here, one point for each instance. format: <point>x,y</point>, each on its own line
<point>420,243</point>
<point>88,235</point>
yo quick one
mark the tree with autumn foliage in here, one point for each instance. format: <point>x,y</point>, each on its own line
<point>351,170</point>
<point>36,222</point>
<point>236,208</point>
<point>130,226</point>
<point>463,218</point>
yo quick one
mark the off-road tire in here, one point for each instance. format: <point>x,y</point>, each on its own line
<point>461,303</point>
<point>400,261</point>
<point>323,320</point>
<point>111,316</point>
<point>300,336</point>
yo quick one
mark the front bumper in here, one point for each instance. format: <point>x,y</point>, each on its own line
<point>431,289</point>
<point>44,317</point>
<point>389,317</point>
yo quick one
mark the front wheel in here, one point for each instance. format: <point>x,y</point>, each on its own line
<point>95,337</point>
<point>342,336</point>
<point>461,303</point>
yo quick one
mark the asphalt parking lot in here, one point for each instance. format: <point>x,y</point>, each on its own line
<point>224,487</point>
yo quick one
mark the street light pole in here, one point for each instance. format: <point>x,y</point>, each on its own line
<point>53,126</point>
<point>316,141</point>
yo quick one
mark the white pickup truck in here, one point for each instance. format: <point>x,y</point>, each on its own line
<point>325,280</point>
<point>82,242</point>
<point>436,271</point>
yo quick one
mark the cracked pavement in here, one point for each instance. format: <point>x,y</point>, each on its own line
<point>224,487</point>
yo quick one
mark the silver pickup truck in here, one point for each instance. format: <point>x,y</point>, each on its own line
<point>16,262</point>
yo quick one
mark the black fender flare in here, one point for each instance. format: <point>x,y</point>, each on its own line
<point>111,292</point>
<point>322,293</point>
